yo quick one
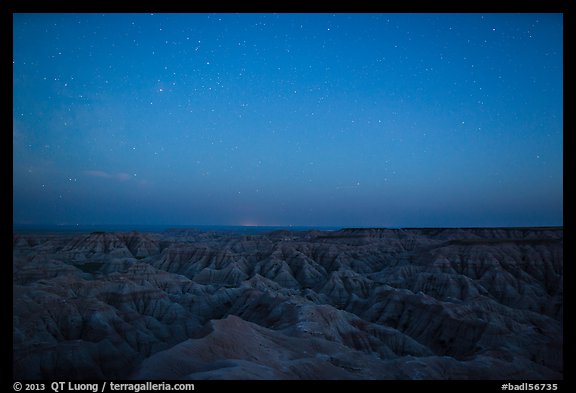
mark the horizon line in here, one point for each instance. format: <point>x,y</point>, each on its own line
<point>184,226</point>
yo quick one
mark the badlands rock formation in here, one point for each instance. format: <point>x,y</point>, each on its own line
<point>348,304</point>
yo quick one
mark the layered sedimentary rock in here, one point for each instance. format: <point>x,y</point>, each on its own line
<point>348,304</point>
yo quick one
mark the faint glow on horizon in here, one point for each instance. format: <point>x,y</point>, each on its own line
<point>249,223</point>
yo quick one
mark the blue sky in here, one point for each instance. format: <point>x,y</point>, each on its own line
<point>288,119</point>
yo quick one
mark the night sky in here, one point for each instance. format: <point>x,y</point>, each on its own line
<point>288,119</point>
